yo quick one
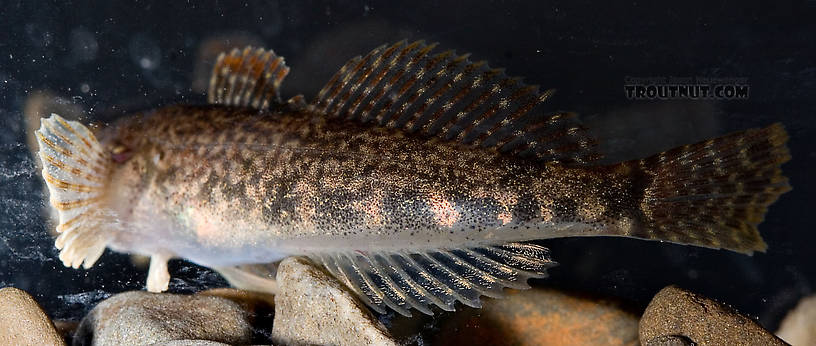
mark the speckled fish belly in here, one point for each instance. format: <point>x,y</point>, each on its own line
<point>416,178</point>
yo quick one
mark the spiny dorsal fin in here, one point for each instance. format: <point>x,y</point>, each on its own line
<point>75,170</point>
<point>250,78</point>
<point>447,96</point>
<point>402,280</point>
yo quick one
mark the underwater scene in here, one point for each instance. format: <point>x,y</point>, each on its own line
<point>407,173</point>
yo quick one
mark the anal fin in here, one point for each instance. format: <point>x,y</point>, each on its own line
<point>402,280</point>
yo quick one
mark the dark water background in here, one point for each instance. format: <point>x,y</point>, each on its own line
<point>111,58</point>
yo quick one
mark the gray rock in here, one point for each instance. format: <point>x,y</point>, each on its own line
<point>677,313</point>
<point>142,318</point>
<point>799,326</point>
<point>23,322</point>
<point>313,308</point>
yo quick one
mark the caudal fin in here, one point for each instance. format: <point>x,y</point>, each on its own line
<point>715,193</point>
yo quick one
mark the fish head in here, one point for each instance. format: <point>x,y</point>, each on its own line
<point>133,160</point>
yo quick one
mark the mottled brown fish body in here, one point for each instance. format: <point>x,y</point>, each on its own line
<point>414,178</point>
<point>299,182</point>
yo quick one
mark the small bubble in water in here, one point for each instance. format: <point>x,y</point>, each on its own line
<point>145,52</point>
<point>146,63</point>
<point>693,274</point>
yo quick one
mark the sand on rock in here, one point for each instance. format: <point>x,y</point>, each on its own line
<point>313,308</point>
<point>683,315</point>
<point>23,322</point>
<point>143,318</point>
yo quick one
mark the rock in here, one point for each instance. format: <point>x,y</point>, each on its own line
<point>313,308</point>
<point>799,326</point>
<point>65,328</point>
<point>250,301</point>
<point>23,322</point>
<point>260,308</point>
<point>674,312</point>
<point>541,317</point>
<point>139,318</point>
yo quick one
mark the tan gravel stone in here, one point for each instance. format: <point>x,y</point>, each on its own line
<point>313,308</point>
<point>799,326</point>
<point>142,318</point>
<point>23,322</point>
<point>676,312</point>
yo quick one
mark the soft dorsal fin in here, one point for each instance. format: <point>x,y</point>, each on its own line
<point>445,95</point>
<point>250,78</point>
<point>405,279</point>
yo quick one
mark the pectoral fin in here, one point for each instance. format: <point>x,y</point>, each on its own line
<point>75,169</point>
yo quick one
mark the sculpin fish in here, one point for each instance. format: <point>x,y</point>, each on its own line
<point>416,178</point>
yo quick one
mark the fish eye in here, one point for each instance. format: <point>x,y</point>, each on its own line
<point>120,153</point>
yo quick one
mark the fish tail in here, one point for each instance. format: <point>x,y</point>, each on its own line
<point>75,171</point>
<point>714,193</point>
